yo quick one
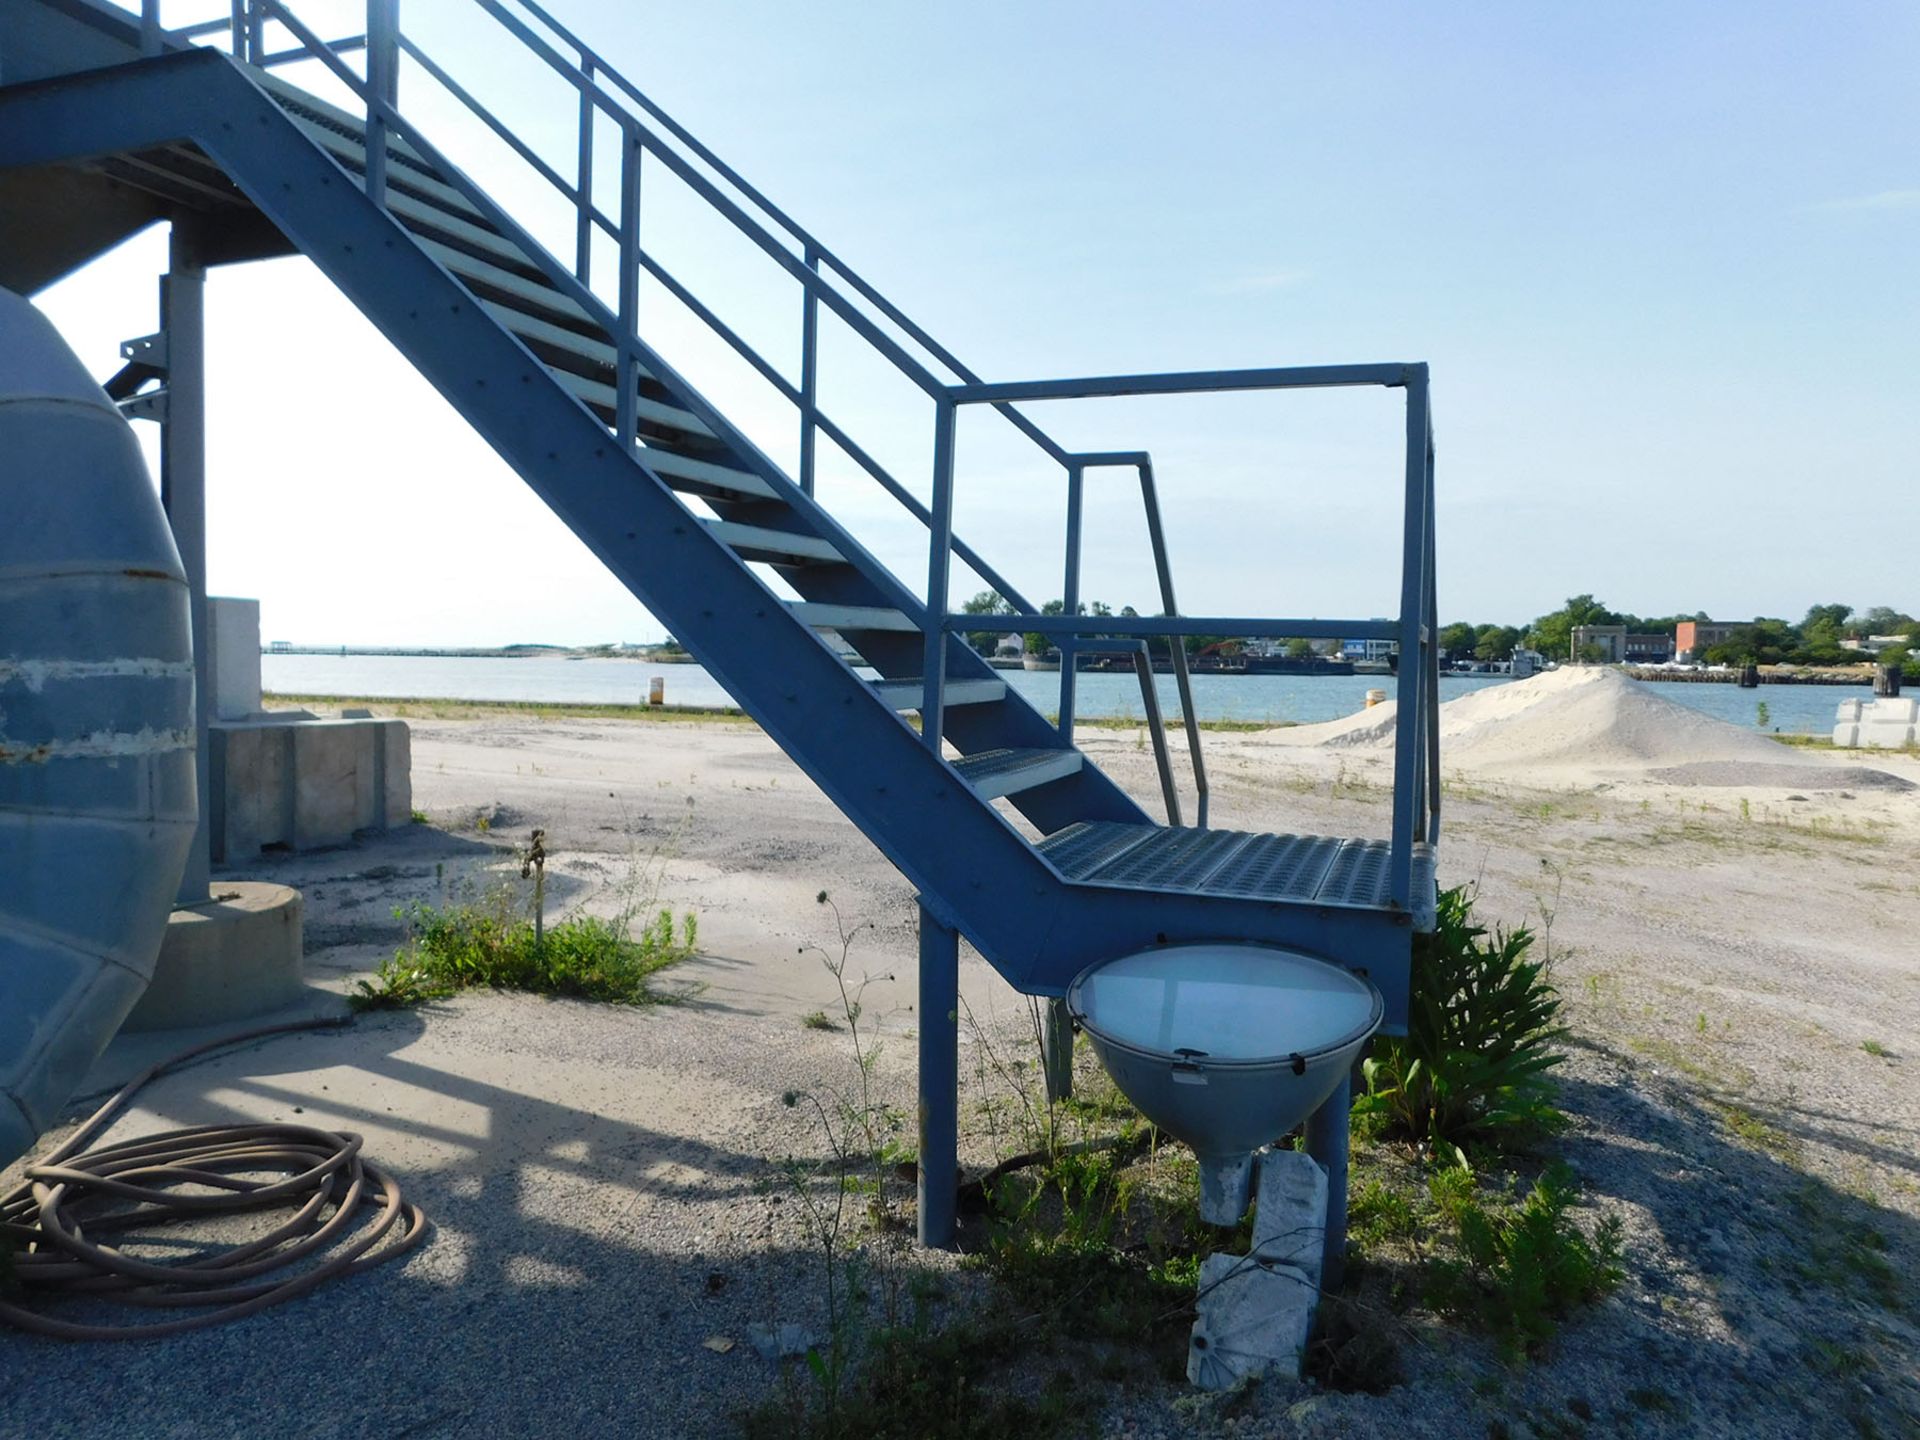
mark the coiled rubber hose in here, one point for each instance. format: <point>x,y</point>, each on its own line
<point>74,1194</point>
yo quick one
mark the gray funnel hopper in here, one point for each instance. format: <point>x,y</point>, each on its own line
<point>1227,1047</point>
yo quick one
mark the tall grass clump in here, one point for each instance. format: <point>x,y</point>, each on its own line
<point>493,942</point>
<point>1481,1026</point>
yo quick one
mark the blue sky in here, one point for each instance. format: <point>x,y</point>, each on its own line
<point>1662,259</point>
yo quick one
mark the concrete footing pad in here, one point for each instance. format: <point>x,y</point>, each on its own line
<point>1256,1311</point>
<point>233,958</point>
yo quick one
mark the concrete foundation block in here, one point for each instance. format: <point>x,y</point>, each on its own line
<point>304,782</point>
<point>1254,1321</point>
<point>395,742</point>
<point>332,781</point>
<point>233,661</point>
<point>1290,1211</point>
<point>237,956</point>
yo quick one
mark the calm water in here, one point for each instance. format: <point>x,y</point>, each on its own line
<point>1302,699</point>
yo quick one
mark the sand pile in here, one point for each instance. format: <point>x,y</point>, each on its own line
<point>1584,718</point>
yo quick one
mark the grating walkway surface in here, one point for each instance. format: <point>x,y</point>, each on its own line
<point>1308,869</point>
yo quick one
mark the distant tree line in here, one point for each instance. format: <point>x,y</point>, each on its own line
<point>1815,640</point>
<point>989,603</point>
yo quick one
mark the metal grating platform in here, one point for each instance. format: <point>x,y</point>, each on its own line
<point>1317,869</point>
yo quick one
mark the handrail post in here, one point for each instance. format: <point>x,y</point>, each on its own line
<point>583,187</point>
<point>1157,727</point>
<point>256,31</point>
<point>1432,658</point>
<point>1176,644</point>
<point>626,408</point>
<point>1410,681</point>
<point>809,372</point>
<point>1070,595</point>
<point>149,27</point>
<point>237,28</point>
<point>933,676</point>
<point>383,25</point>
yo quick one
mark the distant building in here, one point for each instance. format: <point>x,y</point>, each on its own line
<point>1648,649</point>
<point>1368,649</point>
<point>1693,637</point>
<point>1600,644</point>
<point>1011,644</point>
<point>1874,644</point>
<point>281,647</point>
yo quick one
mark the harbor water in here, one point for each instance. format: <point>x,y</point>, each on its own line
<point>1255,699</point>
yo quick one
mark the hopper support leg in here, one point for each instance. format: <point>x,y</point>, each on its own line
<point>939,1166</point>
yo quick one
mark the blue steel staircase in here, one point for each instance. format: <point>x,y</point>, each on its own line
<point>108,121</point>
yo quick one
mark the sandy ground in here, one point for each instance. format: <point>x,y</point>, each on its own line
<point>604,1183</point>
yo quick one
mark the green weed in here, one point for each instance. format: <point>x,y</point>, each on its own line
<point>1523,1266</point>
<point>817,1020</point>
<point>1481,1026</point>
<point>1876,1049</point>
<point>489,943</point>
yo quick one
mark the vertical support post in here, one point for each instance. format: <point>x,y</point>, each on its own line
<point>237,28</point>
<point>1056,1050</point>
<point>1328,1131</point>
<point>626,380</point>
<point>933,678</point>
<point>809,373</point>
<point>149,27</point>
<point>1431,740</point>
<point>1176,644</point>
<point>256,32</point>
<point>1070,596</point>
<point>183,491</point>
<point>1157,728</point>
<point>1432,737</point>
<point>383,58</point>
<point>583,193</point>
<point>939,1167</point>
<point>1409,687</point>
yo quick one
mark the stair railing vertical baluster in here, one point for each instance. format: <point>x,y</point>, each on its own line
<point>1070,595</point>
<point>237,28</point>
<point>933,677</point>
<point>583,184</point>
<point>1409,741</point>
<point>1157,727</point>
<point>626,380</point>
<point>383,24</point>
<point>809,371</point>
<point>1432,658</point>
<point>149,27</point>
<point>1176,644</point>
<point>256,31</point>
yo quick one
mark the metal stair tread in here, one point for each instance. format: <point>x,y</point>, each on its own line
<point>996,773</point>
<point>824,616</point>
<point>413,177</point>
<point>684,472</point>
<point>1303,869</point>
<point>598,392</point>
<point>908,693</point>
<point>485,272</point>
<point>759,540</point>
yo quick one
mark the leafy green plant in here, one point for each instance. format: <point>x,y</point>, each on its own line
<point>399,984</point>
<point>488,941</point>
<point>1522,1266</point>
<point>1481,1026</point>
